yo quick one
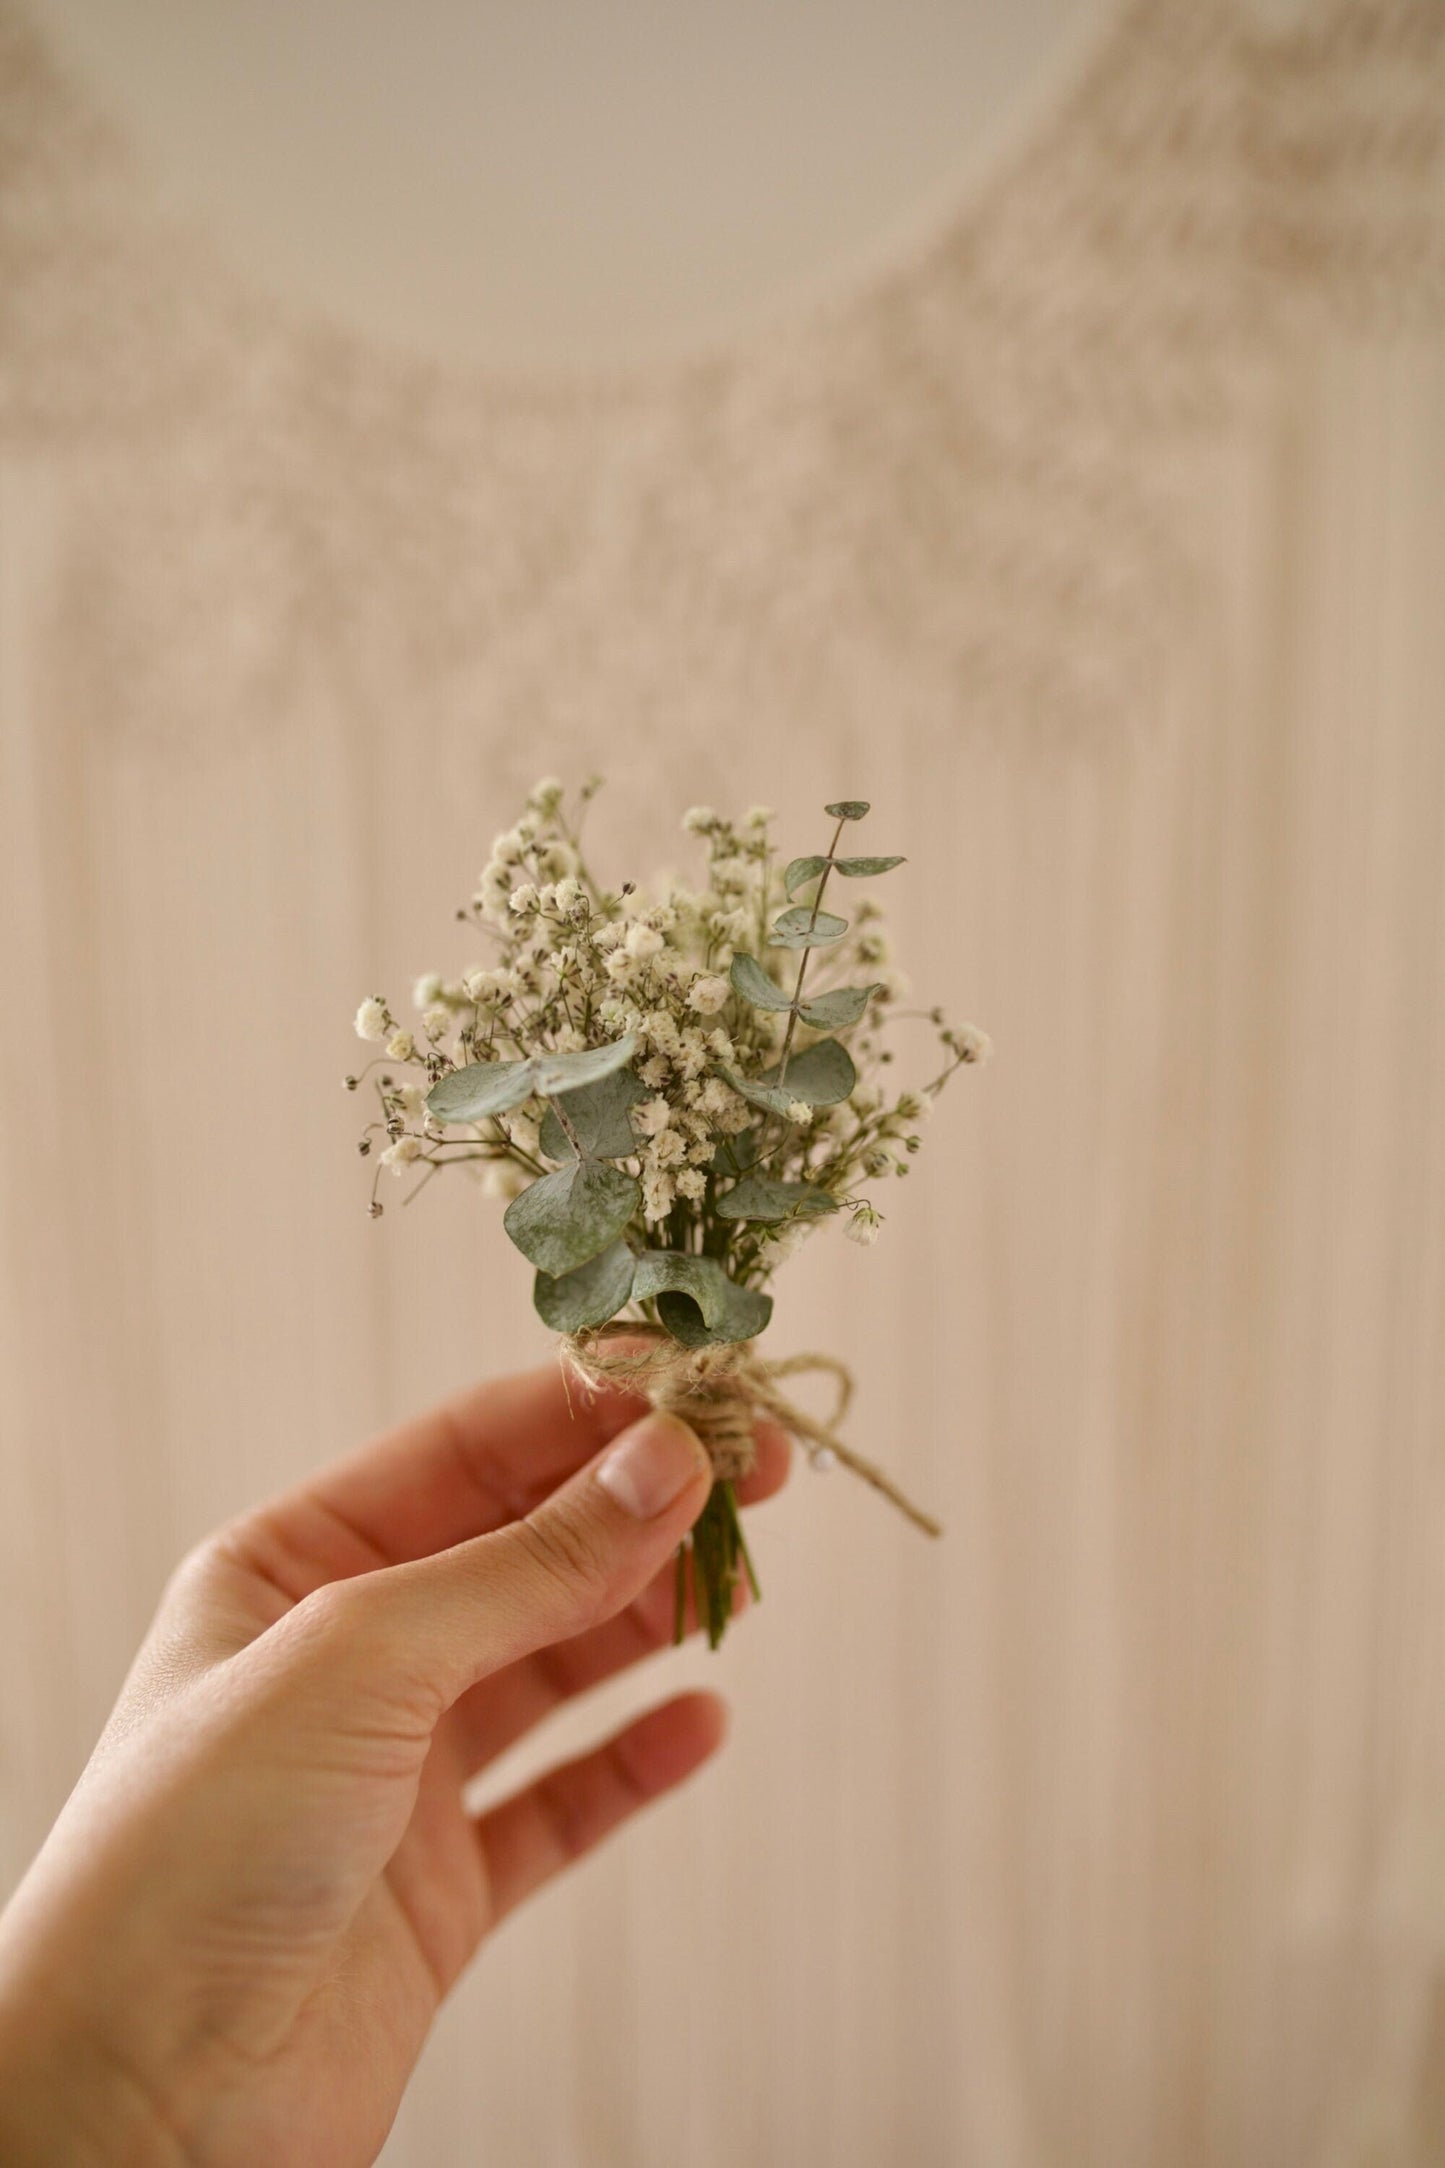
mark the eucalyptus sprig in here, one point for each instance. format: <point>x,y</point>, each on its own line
<point>666,1119</point>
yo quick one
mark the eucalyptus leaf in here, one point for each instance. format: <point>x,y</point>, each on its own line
<point>823,1075</point>
<point>836,1011</point>
<point>696,1301</point>
<point>863,869</point>
<point>734,1155</point>
<point>484,1088</point>
<point>804,928</point>
<point>599,1114</point>
<point>589,1296</point>
<point>567,1218</point>
<point>848,809</point>
<point>481,1089</point>
<point>757,1197</point>
<point>751,981</point>
<point>803,870</point>
<point>558,1074</point>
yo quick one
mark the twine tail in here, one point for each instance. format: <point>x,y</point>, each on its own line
<point>822,1437</point>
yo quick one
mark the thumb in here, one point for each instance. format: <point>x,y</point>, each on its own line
<point>584,1553</point>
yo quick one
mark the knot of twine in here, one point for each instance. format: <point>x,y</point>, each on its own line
<point>720,1391</point>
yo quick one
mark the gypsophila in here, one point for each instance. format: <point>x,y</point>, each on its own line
<point>674,1086</point>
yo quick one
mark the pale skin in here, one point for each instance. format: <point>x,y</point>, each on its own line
<point>233,1944</point>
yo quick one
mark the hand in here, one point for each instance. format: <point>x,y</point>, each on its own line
<point>235,1939</point>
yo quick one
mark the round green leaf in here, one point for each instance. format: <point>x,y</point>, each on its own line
<point>481,1089</point>
<point>557,1074</point>
<point>801,928</point>
<point>821,1076</point>
<point>696,1301</point>
<point>758,1198</point>
<point>836,1011</point>
<point>567,1218</point>
<point>599,1114</point>
<point>589,1296</point>
<point>847,809</point>
<point>803,870</point>
<point>752,982</point>
<point>863,869</point>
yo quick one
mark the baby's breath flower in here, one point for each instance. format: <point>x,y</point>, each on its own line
<point>401,1046</point>
<point>371,1019</point>
<point>400,1155</point>
<point>643,940</point>
<point>652,1117</point>
<point>621,968</point>
<point>971,1044</point>
<point>708,994</point>
<point>412,1100</point>
<point>570,893</point>
<point>426,989</point>
<point>545,797</point>
<point>658,1193</point>
<point>800,1112</point>
<point>699,820</point>
<point>436,1020</point>
<point>666,1149</point>
<point>524,897</point>
<point>758,816</point>
<point>692,1183</point>
<point>864,1224</point>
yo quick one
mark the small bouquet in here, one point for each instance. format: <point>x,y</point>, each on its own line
<point>656,1079</point>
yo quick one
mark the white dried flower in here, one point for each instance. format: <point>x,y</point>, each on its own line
<point>758,816</point>
<point>426,989</point>
<point>692,1183</point>
<point>371,1019</point>
<point>786,1241</point>
<point>436,1020</point>
<point>546,796</point>
<point>400,1155</point>
<point>524,897</point>
<point>708,995</point>
<point>643,940</point>
<point>401,1046</point>
<point>973,1045</point>
<point>658,1194</point>
<point>666,1149</point>
<point>621,968</point>
<point>570,893</point>
<point>864,1225</point>
<point>699,820</point>
<point>800,1112</point>
<point>412,1100</point>
<point>652,1117</point>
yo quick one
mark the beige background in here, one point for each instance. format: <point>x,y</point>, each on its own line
<point>1096,535</point>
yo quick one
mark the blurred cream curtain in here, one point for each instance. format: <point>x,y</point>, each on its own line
<point>1100,543</point>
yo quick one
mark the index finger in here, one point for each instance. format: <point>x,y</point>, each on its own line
<point>473,1463</point>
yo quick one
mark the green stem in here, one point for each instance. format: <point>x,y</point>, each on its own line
<point>804,960</point>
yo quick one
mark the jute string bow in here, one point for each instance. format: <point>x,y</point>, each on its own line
<point>720,1391</point>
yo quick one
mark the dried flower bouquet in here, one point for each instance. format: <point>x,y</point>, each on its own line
<point>656,1079</point>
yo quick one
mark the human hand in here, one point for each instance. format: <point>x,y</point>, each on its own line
<point>234,1941</point>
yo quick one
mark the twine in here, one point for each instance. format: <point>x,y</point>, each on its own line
<point>720,1391</point>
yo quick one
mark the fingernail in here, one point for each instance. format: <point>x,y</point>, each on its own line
<point>651,1464</point>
